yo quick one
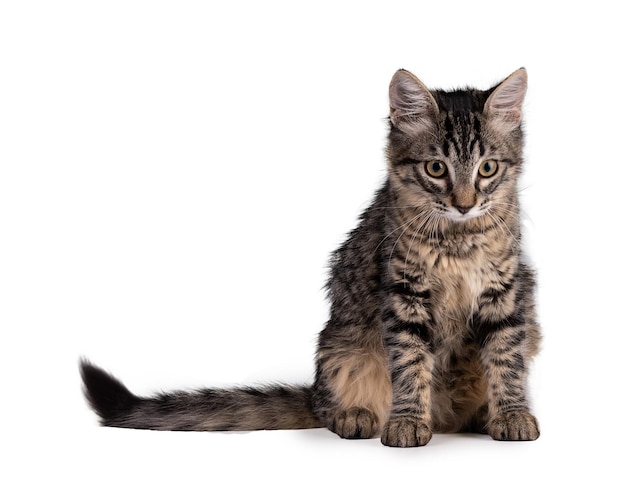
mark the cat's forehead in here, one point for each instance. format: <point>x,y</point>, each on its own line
<point>460,120</point>
<point>461,101</point>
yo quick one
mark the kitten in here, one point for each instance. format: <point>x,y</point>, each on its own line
<point>432,321</point>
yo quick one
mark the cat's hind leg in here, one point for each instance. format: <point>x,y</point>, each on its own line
<point>352,391</point>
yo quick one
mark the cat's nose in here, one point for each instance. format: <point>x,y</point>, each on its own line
<point>463,198</point>
<point>463,209</point>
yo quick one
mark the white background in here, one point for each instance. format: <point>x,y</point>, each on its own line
<point>173,176</point>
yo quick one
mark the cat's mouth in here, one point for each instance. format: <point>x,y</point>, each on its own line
<point>456,215</point>
<point>459,214</point>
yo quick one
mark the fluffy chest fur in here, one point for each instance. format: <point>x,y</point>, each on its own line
<point>458,282</point>
<point>458,270</point>
<point>457,285</point>
<point>458,267</point>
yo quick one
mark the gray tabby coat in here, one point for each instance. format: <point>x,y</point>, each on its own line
<point>432,322</point>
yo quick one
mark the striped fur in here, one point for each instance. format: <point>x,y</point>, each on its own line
<point>432,322</point>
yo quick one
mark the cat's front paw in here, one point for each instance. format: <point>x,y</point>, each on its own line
<point>355,423</point>
<point>405,432</point>
<point>514,426</point>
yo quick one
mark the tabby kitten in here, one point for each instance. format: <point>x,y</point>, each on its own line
<point>432,321</point>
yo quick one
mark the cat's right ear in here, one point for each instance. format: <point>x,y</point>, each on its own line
<point>412,107</point>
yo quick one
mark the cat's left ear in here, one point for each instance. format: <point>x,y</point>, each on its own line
<point>503,108</point>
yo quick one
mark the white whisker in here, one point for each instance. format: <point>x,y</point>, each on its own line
<point>423,224</point>
<point>504,228</point>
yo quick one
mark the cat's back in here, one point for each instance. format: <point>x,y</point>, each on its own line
<point>355,273</point>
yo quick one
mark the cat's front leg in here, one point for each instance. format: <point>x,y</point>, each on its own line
<point>509,416</point>
<point>508,337</point>
<point>407,325</point>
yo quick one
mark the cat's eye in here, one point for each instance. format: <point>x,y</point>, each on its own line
<point>436,168</point>
<point>488,168</point>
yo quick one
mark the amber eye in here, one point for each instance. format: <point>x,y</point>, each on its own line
<point>436,168</point>
<point>488,168</point>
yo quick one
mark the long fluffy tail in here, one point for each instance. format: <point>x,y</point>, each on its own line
<point>241,409</point>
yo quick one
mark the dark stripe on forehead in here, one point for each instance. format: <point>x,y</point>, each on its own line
<point>477,125</point>
<point>473,143</point>
<point>462,134</point>
<point>451,137</point>
<point>446,148</point>
<point>477,138</point>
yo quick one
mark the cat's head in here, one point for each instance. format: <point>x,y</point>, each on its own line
<point>458,153</point>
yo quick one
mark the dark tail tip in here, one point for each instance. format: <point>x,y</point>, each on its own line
<point>107,396</point>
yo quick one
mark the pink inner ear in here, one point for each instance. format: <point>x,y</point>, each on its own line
<point>509,96</point>
<point>408,96</point>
